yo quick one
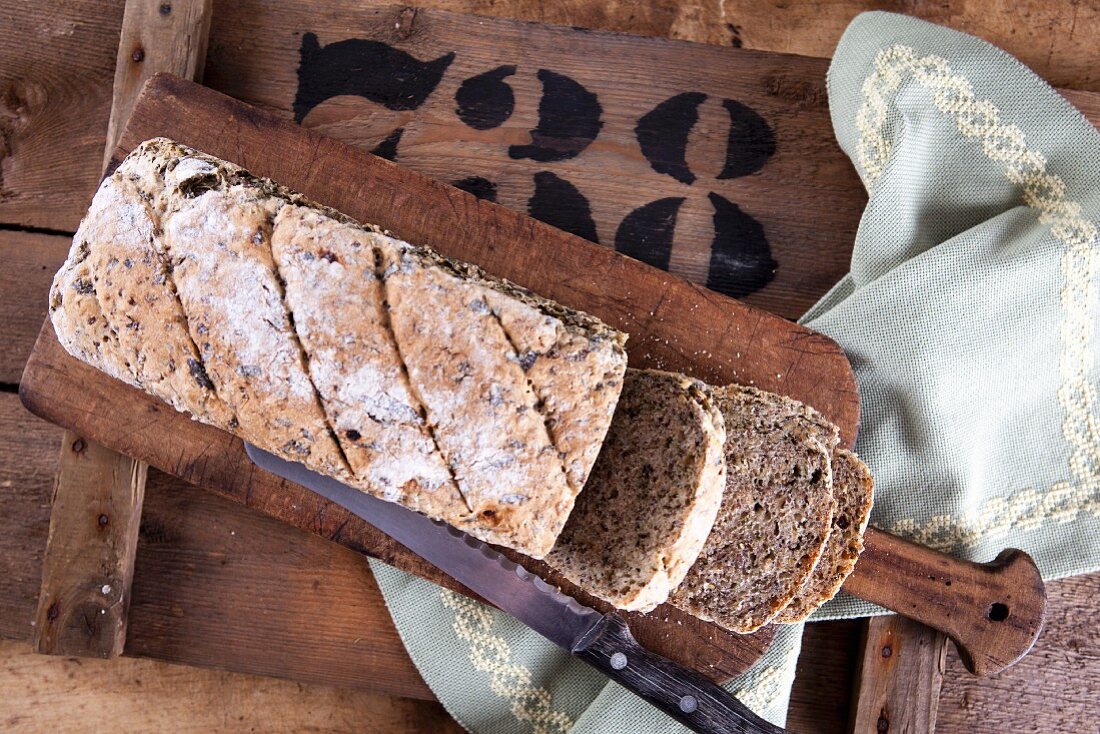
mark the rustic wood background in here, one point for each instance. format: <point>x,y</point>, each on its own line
<point>198,554</point>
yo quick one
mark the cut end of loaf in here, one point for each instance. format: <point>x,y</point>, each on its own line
<point>653,494</point>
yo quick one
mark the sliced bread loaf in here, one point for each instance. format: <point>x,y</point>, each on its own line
<point>490,427</point>
<point>652,495</point>
<point>775,514</point>
<point>854,490</point>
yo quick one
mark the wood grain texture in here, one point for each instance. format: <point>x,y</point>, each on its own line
<point>86,574</point>
<point>89,560</point>
<point>216,584</point>
<point>45,695</point>
<point>768,158</point>
<point>56,61</point>
<point>28,463</point>
<point>899,677</point>
<point>993,611</point>
<point>155,37</point>
<point>28,264</point>
<point>1052,689</point>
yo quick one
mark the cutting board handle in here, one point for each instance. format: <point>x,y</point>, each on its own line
<point>992,611</point>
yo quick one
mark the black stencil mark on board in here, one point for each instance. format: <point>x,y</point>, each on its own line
<point>480,187</point>
<point>646,233</point>
<point>569,120</point>
<point>750,142</point>
<point>740,258</point>
<point>485,101</point>
<point>663,134</point>
<point>388,148</point>
<point>558,203</point>
<point>369,69</point>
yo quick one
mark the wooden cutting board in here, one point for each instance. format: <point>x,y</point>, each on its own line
<point>673,325</point>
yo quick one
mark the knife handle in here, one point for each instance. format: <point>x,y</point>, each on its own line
<point>992,611</point>
<point>683,694</point>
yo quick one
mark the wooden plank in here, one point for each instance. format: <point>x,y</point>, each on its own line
<point>216,584</point>
<point>735,187</point>
<point>46,695</point>
<point>155,36</point>
<point>29,262</point>
<point>1052,689</point>
<point>899,678</point>
<point>89,561</point>
<point>56,61</point>
<point>822,690</point>
<point>28,462</point>
<point>212,577</point>
<point>85,596</point>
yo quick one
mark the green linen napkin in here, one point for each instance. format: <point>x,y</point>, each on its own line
<point>968,316</point>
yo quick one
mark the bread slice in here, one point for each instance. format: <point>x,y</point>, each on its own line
<point>335,297</point>
<point>775,514</point>
<point>502,456</point>
<point>138,299</point>
<point>653,494</point>
<point>854,490</point>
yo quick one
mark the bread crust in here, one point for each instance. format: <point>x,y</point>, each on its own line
<point>217,336</point>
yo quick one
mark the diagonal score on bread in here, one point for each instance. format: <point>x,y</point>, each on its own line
<point>248,369</point>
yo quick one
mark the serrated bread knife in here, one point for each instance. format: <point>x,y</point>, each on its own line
<point>601,640</point>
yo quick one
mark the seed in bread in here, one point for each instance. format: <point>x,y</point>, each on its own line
<point>653,494</point>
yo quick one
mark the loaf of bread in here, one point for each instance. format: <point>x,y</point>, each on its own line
<point>854,491</point>
<point>775,515</point>
<point>424,381</point>
<point>653,494</point>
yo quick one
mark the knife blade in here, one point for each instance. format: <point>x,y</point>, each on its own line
<point>601,640</point>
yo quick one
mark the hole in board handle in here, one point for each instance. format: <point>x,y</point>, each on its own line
<point>998,612</point>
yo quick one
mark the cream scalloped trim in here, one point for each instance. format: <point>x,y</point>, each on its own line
<point>491,654</point>
<point>1045,192</point>
<point>769,683</point>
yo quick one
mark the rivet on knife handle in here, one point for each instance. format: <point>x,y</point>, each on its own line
<point>694,701</point>
<point>992,611</point>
